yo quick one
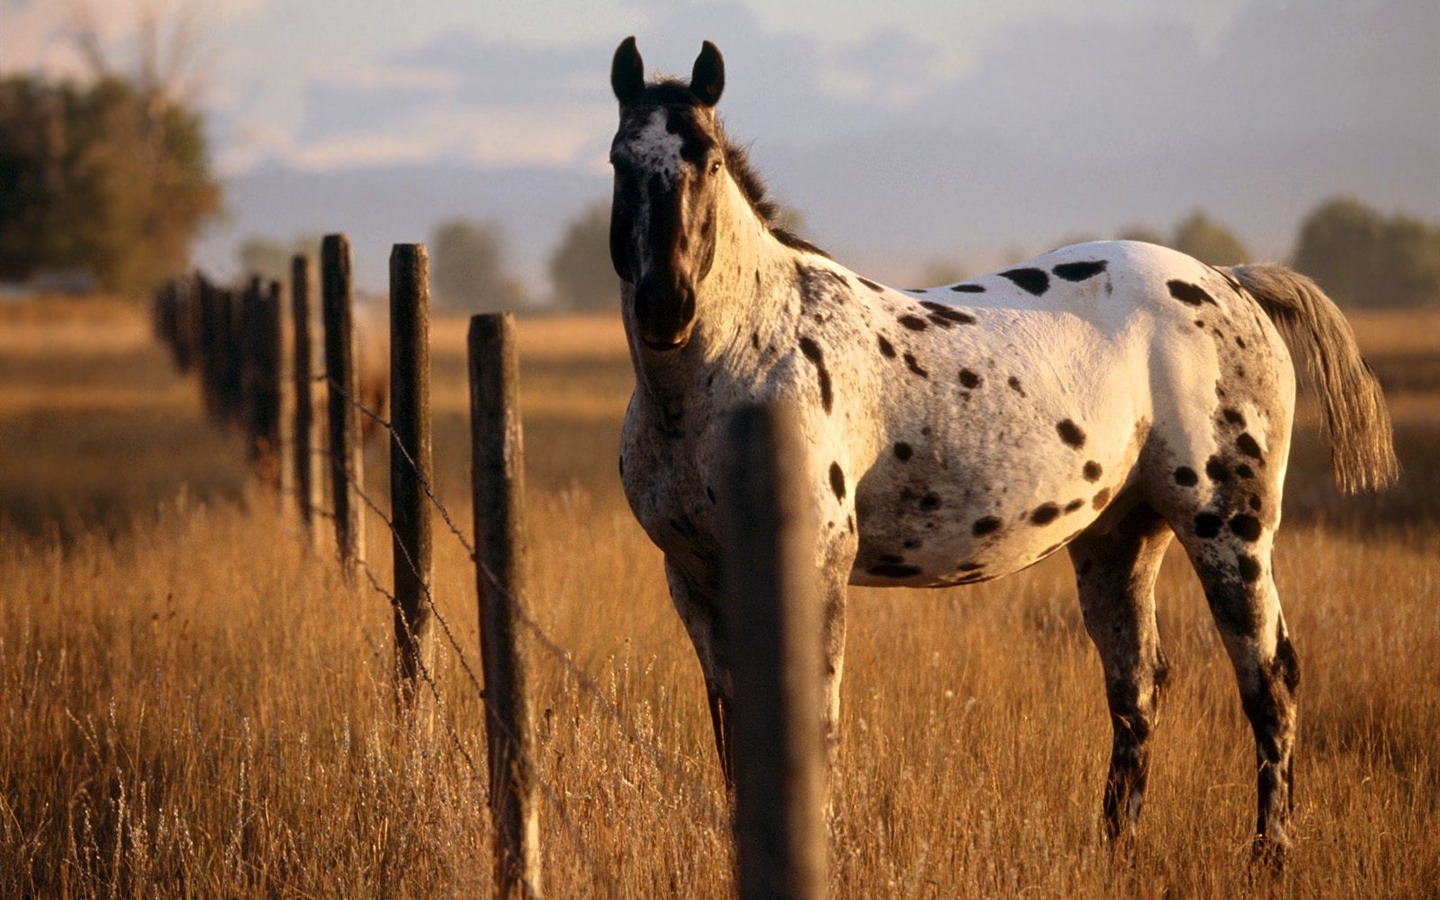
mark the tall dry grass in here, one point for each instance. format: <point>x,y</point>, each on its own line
<point>195,704</point>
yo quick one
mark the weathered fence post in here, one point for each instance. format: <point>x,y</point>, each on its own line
<point>212,352</point>
<point>247,359</point>
<point>773,637</point>
<point>411,470</point>
<point>263,357</point>
<point>345,459</point>
<point>497,474</point>
<point>232,368</point>
<point>303,358</point>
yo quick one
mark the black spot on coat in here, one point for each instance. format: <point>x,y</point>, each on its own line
<point>894,571</point>
<point>1216,470</point>
<point>813,353</point>
<point>1079,271</point>
<point>887,349</point>
<point>837,480</point>
<point>1092,471</point>
<point>1034,281</point>
<point>914,366</point>
<point>930,502</point>
<point>1070,433</point>
<point>914,323</point>
<point>1015,385</point>
<point>1045,514</point>
<point>1207,525</point>
<point>1246,526</point>
<point>1249,446</point>
<point>1185,292</point>
<point>903,451</point>
<point>819,284</point>
<point>1186,477</point>
<point>948,313</point>
<point>969,288</point>
<point>1250,569</point>
<point>969,379</point>
<point>984,526</point>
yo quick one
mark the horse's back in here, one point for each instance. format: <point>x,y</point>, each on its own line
<point>1094,377</point>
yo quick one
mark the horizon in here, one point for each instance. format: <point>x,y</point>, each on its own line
<point>946,135</point>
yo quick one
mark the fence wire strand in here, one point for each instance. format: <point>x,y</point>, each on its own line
<point>584,680</point>
<point>588,684</point>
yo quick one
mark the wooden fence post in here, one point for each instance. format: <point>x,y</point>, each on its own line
<point>345,460</point>
<point>497,474</point>
<point>211,349</point>
<point>773,637</point>
<point>232,367</point>
<point>265,356</point>
<point>248,359</point>
<point>411,470</point>
<point>302,358</point>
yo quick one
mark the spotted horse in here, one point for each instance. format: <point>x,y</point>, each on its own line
<point>1101,399</point>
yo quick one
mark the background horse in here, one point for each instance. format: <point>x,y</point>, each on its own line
<point>1104,398</point>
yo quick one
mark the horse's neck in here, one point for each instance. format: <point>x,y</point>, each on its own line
<point>751,287</point>
<point>750,294</point>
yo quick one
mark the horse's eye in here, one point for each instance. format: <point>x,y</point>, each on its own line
<point>715,167</point>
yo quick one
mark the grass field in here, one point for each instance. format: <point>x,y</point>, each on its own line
<point>192,703</point>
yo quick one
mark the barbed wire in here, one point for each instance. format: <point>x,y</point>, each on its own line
<point>528,765</point>
<point>588,684</point>
<point>583,679</point>
<point>410,460</point>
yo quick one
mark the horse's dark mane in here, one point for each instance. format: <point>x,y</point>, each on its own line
<point>737,161</point>
<point>674,93</point>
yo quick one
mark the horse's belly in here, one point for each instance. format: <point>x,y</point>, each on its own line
<point>959,516</point>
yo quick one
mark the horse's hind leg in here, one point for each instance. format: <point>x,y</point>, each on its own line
<point>1232,559</point>
<point>1115,573</point>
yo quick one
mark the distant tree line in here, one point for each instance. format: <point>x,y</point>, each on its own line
<point>1361,258</point>
<point>110,178</point>
<point>1364,259</point>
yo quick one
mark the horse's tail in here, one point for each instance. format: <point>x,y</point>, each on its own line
<point>1362,450</point>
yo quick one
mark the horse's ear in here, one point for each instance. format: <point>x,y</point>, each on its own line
<point>627,72</point>
<point>707,81</point>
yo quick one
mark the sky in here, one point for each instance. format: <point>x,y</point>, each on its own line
<point>945,127</point>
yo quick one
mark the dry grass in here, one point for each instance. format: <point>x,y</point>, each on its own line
<point>195,704</point>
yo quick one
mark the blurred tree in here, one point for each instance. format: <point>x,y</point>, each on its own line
<point>111,178</point>
<point>1144,234</point>
<point>271,259</point>
<point>1209,241</point>
<point>1363,259</point>
<point>467,268</point>
<point>941,271</point>
<point>580,268</point>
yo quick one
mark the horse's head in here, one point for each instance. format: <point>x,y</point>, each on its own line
<point>668,154</point>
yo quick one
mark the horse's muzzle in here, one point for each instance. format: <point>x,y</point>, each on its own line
<point>665,312</point>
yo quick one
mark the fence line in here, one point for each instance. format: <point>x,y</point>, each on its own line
<point>205,327</point>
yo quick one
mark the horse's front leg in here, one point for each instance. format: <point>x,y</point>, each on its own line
<point>698,605</point>
<point>833,593</point>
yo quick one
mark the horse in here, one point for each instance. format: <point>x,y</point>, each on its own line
<point>1104,399</point>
